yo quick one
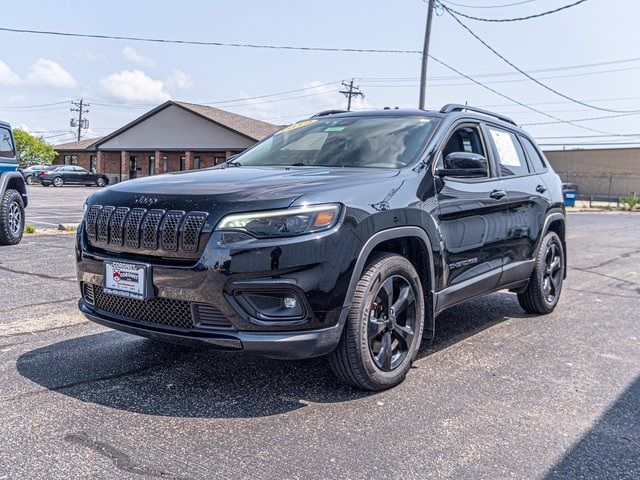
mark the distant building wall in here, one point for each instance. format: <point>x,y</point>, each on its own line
<point>608,172</point>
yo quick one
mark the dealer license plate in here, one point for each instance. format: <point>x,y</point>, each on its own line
<point>126,279</point>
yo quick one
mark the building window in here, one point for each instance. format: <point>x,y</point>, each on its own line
<point>217,160</point>
<point>70,159</point>
<point>165,163</point>
<point>93,163</point>
<point>181,162</point>
<point>152,165</point>
<point>196,162</point>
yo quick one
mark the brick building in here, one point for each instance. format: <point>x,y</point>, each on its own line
<point>173,136</point>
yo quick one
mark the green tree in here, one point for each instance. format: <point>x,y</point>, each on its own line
<point>32,150</point>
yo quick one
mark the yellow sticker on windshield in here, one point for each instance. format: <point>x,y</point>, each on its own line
<point>297,125</point>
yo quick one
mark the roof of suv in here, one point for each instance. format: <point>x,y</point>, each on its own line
<point>451,111</point>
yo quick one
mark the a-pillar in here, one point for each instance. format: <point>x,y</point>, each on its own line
<point>157,168</point>
<point>124,165</point>
<point>188,160</point>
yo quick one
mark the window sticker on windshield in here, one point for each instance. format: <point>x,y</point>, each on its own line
<point>506,149</point>
<point>424,120</point>
<point>297,125</point>
<point>334,129</point>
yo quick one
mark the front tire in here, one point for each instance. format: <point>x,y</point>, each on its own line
<point>543,292</point>
<point>58,182</point>
<point>384,327</point>
<point>11,218</point>
<point>29,180</point>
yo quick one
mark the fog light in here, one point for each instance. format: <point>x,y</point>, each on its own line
<point>271,305</point>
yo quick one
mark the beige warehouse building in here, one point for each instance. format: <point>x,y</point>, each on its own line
<point>613,172</point>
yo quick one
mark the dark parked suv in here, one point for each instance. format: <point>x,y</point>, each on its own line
<point>342,235</point>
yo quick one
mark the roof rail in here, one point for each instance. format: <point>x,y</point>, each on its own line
<point>455,107</point>
<point>328,112</point>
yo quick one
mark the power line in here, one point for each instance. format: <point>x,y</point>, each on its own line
<point>522,2</point>
<point>205,43</point>
<point>517,19</point>
<point>508,62</point>
<point>589,119</point>
<point>559,120</point>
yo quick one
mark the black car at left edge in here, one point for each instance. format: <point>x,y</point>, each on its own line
<point>71,175</point>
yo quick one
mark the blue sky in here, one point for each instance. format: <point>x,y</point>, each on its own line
<point>122,79</point>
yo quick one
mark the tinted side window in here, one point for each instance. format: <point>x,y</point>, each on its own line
<point>535,159</point>
<point>465,139</point>
<point>6,144</point>
<point>509,151</point>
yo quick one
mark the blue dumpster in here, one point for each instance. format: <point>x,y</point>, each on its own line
<point>569,192</point>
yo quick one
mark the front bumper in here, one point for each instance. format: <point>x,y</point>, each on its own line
<point>283,345</point>
<point>316,267</point>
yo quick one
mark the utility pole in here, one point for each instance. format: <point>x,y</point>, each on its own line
<point>425,57</point>
<point>350,92</point>
<point>81,123</point>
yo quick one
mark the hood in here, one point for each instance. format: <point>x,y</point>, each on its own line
<point>237,188</point>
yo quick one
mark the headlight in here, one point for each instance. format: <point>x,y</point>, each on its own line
<point>283,223</point>
<point>84,209</point>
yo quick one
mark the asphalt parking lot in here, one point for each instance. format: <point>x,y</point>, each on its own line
<point>50,206</point>
<point>498,394</point>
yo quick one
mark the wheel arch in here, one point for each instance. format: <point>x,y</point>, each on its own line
<point>555,222</point>
<point>410,242</point>
<point>15,181</point>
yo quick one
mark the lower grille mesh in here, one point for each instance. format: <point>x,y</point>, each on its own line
<point>159,311</point>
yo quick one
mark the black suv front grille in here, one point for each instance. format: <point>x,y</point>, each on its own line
<point>168,312</point>
<point>124,229</point>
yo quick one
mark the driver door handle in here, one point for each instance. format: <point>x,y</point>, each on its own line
<point>541,189</point>
<point>498,194</point>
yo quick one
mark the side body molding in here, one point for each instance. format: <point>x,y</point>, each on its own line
<point>376,239</point>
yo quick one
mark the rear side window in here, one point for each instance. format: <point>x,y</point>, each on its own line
<point>6,144</point>
<point>509,151</point>
<point>535,159</point>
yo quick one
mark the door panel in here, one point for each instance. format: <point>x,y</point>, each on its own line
<point>473,226</point>
<point>472,220</point>
<point>527,209</point>
<point>528,200</point>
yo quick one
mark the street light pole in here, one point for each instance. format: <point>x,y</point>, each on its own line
<point>425,57</point>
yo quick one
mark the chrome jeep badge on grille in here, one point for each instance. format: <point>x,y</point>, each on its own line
<point>144,200</point>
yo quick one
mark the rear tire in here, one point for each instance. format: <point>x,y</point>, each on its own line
<point>29,180</point>
<point>379,343</point>
<point>58,182</point>
<point>11,218</point>
<point>100,182</point>
<point>545,285</point>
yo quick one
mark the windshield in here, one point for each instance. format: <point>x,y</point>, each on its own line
<point>382,142</point>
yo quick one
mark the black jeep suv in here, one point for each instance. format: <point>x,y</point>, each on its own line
<point>342,235</point>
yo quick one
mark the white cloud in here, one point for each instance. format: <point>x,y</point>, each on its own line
<point>49,73</point>
<point>134,57</point>
<point>178,80</point>
<point>8,76</point>
<point>134,86</point>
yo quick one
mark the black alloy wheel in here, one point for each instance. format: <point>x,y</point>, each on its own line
<point>392,322</point>
<point>384,326</point>
<point>545,284</point>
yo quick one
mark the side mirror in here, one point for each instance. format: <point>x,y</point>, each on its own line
<point>463,164</point>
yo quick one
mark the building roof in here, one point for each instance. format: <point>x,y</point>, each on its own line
<point>253,129</point>
<point>249,127</point>
<point>81,145</point>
